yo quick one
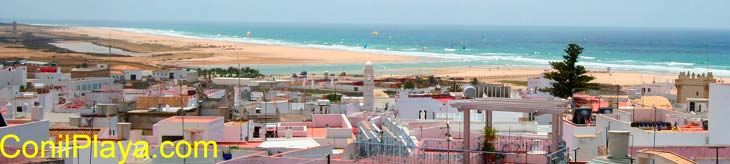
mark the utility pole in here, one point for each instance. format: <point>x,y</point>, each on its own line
<point>617,91</point>
<point>717,153</point>
<point>655,128</point>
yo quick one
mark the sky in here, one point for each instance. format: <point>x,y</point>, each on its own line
<point>576,13</point>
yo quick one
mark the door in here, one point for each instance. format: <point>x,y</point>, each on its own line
<point>256,130</point>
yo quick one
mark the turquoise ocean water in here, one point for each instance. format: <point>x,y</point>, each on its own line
<point>663,50</point>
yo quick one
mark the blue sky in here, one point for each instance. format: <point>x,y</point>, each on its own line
<point>612,13</point>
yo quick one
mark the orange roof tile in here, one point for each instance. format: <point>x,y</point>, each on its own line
<point>151,102</point>
<point>60,134</point>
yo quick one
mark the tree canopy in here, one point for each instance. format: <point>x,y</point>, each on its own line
<point>334,97</point>
<point>245,72</point>
<point>409,85</point>
<point>474,82</point>
<point>569,77</point>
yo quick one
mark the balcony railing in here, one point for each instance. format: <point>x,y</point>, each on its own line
<point>373,151</point>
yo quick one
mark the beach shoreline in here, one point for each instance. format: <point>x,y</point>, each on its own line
<point>230,52</point>
<point>181,51</point>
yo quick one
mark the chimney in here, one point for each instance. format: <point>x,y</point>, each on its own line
<point>123,129</point>
<point>74,121</point>
<point>10,111</point>
<point>37,113</point>
<point>25,108</point>
<point>618,144</point>
<point>288,133</point>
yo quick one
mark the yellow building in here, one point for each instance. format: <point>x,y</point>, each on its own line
<point>693,85</point>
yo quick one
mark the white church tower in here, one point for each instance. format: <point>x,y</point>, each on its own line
<point>369,84</point>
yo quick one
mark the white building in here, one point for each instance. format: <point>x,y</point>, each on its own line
<point>368,84</point>
<point>686,130</point>
<point>21,105</point>
<point>175,74</point>
<point>13,76</point>
<point>132,75</point>
<point>719,111</point>
<point>697,105</point>
<point>8,93</point>
<point>51,78</point>
<point>535,84</point>
<point>251,82</point>
<point>196,128</point>
<point>26,130</point>
<point>420,107</point>
<point>83,85</point>
<point>654,89</point>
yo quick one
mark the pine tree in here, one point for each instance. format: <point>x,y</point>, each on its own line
<point>569,78</point>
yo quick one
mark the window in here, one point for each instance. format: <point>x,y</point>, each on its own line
<point>699,107</point>
<point>171,138</point>
<point>697,94</point>
<point>691,106</point>
<point>648,89</point>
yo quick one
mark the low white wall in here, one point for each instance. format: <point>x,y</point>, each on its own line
<point>319,152</point>
<point>338,143</point>
<point>516,126</point>
<point>570,131</point>
<point>233,133</point>
<point>339,132</point>
<point>31,131</point>
<point>646,137</point>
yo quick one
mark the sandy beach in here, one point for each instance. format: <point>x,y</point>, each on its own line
<point>501,74</point>
<point>182,51</point>
<point>228,53</point>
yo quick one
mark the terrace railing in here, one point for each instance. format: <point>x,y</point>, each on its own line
<point>373,151</point>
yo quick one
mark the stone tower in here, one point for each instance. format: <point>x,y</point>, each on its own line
<point>369,84</point>
<point>691,85</point>
<point>15,28</point>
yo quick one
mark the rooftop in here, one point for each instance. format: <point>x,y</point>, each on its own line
<point>297,143</point>
<point>667,155</point>
<point>60,133</point>
<point>88,69</point>
<point>195,119</point>
<point>145,102</point>
<point>697,99</point>
<point>653,101</point>
<point>513,105</point>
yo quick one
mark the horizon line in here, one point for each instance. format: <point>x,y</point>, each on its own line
<point>360,23</point>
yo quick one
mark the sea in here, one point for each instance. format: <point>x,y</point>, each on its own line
<point>652,50</point>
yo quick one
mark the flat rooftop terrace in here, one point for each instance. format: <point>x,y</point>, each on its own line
<point>193,119</point>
